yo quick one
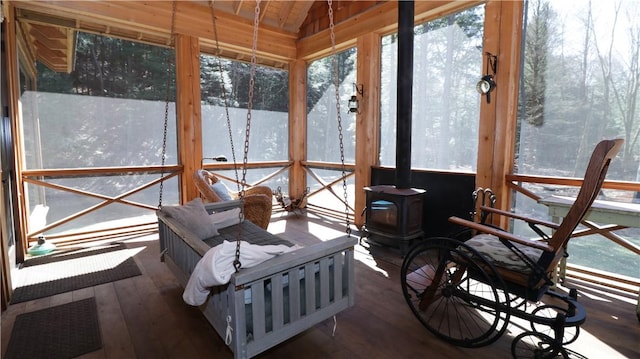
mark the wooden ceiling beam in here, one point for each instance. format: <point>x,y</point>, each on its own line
<point>264,6</point>
<point>285,11</point>
<point>58,42</point>
<point>27,50</point>
<point>44,51</point>
<point>43,19</point>
<point>302,14</point>
<point>192,18</point>
<point>237,6</point>
<point>71,55</point>
<point>52,33</point>
<point>53,63</point>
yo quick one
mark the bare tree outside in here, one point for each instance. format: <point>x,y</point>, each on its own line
<point>580,84</point>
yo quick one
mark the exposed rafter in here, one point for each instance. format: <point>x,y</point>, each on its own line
<point>281,24</point>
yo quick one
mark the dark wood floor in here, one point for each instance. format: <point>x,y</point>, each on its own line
<point>144,316</point>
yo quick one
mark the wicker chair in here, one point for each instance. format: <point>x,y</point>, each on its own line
<point>257,200</point>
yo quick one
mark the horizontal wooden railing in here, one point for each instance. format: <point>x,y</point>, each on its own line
<point>515,182</point>
<point>41,177</point>
<point>309,167</point>
<point>98,171</point>
<point>565,181</point>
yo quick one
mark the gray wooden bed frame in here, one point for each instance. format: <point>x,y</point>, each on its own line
<point>273,301</point>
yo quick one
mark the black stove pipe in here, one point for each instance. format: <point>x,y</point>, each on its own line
<point>404,94</point>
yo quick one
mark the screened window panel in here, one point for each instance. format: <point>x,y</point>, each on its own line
<point>445,111</point>
<point>109,112</point>
<point>323,135</point>
<point>79,131</point>
<point>228,93</point>
<point>578,86</point>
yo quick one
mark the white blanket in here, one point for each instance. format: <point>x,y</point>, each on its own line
<point>216,267</point>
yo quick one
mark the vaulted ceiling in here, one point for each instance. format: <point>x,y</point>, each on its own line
<point>49,28</point>
<point>285,15</point>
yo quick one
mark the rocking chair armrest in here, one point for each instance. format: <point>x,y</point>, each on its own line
<point>502,234</point>
<point>548,224</point>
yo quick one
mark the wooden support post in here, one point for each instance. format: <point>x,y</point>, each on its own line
<point>5,267</point>
<point>15,116</point>
<point>297,127</point>
<point>368,120</point>
<point>496,142</point>
<point>189,113</point>
<point>507,109</point>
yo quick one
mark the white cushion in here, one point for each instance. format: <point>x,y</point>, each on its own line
<point>193,216</point>
<point>225,219</point>
<point>221,190</point>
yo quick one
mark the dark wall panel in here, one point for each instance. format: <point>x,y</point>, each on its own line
<point>448,194</point>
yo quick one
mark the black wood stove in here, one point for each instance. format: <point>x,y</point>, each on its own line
<point>394,212</point>
<point>394,215</point>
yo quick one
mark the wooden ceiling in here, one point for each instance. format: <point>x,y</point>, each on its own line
<point>50,27</point>
<point>285,15</point>
<point>52,45</point>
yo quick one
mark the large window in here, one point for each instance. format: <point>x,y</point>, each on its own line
<point>579,85</point>
<point>269,114</point>
<point>109,112</point>
<point>322,117</point>
<point>447,65</point>
<point>269,131</point>
<point>323,135</point>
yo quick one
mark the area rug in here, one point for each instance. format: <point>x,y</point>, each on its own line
<point>65,331</point>
<point>66,271</point>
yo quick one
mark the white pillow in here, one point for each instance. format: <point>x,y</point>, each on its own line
<point>221,190</point>
<point>193,215</point>
<point>225,219</point>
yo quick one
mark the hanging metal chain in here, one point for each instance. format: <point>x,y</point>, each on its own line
<point>252,74</point>
<point>256,22</point>
<point>166,102</point>
<point>224,91</point>
<point>336,83</point>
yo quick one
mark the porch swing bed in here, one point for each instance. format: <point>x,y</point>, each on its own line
<point>266,304</point>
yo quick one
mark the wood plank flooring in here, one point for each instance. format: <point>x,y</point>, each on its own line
<point>145,317</point>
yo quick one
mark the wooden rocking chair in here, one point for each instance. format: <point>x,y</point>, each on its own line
<point>466,292</point>
<point>545,254</point>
